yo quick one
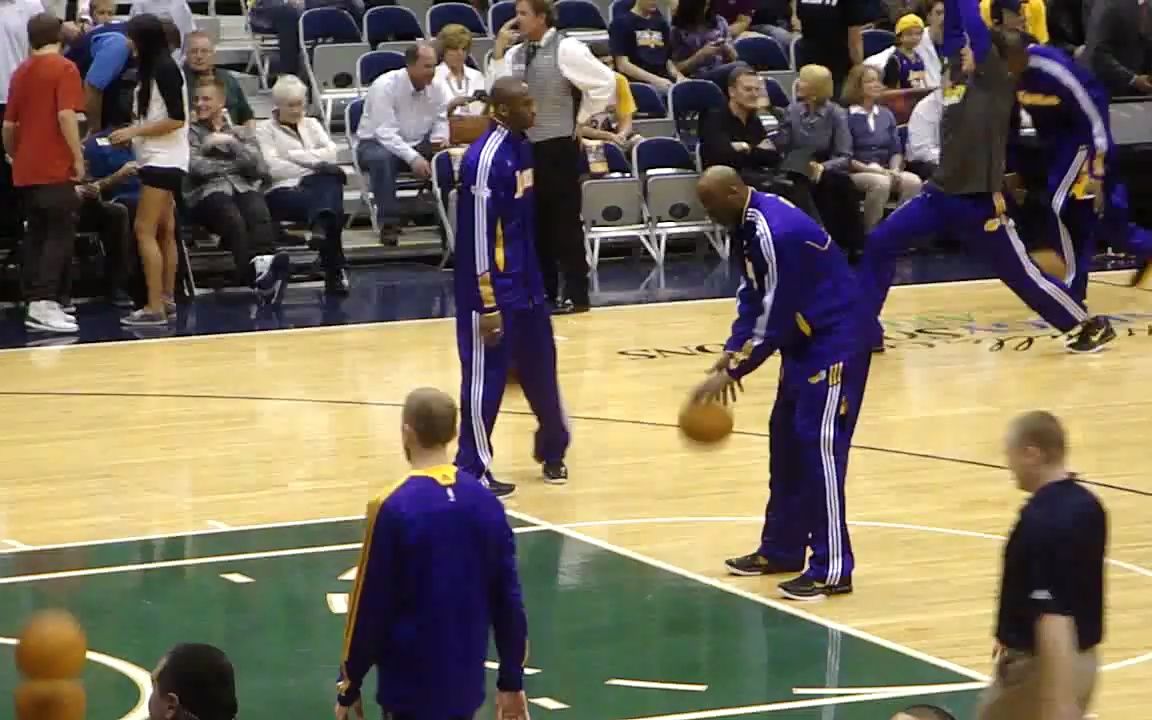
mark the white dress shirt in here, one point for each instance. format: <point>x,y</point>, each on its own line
<point>924,129</point>
<point>451,87</point>
<point>14,16</point>
<point>398,116</point>
<point>595,80</point>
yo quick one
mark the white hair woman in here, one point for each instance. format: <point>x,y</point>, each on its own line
<point>307,184</point>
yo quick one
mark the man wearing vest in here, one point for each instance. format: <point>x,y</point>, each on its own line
<point>569,85</point>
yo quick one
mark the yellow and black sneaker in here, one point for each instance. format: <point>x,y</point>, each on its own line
<point>1092,335</point>
<point>756,564</point>
<point>805,589</point>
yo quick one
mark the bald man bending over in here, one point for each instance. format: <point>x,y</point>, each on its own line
<point>798,296</point>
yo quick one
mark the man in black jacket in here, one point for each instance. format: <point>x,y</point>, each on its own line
<point>1118,45</point>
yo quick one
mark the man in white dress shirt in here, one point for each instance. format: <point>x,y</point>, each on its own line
<point>404,123</point>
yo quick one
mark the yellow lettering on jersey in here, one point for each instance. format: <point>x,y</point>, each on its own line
<point>523,182</point>
<point>992,225</point>
<point>802,323</point>
<point>818,377</point>
<point>1037,99</point>
<point>498,251</point>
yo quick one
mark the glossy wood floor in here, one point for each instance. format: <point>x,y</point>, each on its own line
<point>150,437</point>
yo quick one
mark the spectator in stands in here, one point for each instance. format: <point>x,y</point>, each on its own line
<point>14,16</point>
<point>1117,47</point>
<point>924,135</point>
<point>193,682</point>
<point>640,41</point>
<point>905,68</point>
<point>614,125</point>
<point>175,11</point>
<point>816,126</point>
<point>833,36</point>
<point>777,19</point>
<point>159,138</point>
<point>101,12</point>
<point>1067,20</point>
<point>307,184</point>
<point>1028,17</point>
<point>403,125</point>
<point>104,58</point>
<point>283,18</point>
<point>932,44</point>
<point>458,82</point>
<point>200,62</point>
<point>225,172</point>
<point>877,165</point>
<point>108,201</point>
<point>42,134</point>
<point>700,42</point>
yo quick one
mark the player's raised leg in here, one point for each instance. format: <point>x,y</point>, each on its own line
<point>534,347</point>
<point>892,238</point>
<point>827,409</point>
<point>483,373</point>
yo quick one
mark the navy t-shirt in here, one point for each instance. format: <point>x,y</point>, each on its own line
<point>643,40</point>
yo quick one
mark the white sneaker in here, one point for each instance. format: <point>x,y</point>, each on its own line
<point>46,315</point>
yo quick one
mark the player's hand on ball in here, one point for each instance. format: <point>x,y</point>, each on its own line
<point>491,328</point>
<point>511,706</point>
<point>719,387</point>
<point>722,363</point>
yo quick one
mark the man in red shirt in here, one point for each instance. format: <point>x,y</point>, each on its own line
<point>42,135</point>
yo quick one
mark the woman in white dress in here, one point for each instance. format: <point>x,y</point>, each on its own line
<point>459,82</point>
<point>159,137</point>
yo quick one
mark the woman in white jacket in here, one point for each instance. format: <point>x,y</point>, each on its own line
<point>307,183</point>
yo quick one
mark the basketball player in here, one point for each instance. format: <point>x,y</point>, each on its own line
<point>963,196</point>
<point>797,295</point>
<point>1069,110</point>
<point>923,712</point>
<point>437,575</point>
<point>1051,615</point>
<point>502,317</point>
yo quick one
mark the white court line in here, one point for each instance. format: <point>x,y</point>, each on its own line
<point>654,685</point>
<point>238,578</point>
<point>918,689</point>
<point>548,703</point>
<point>421,321</point>
<point>777,706</point>
<point>217,525</point>
<point>15,544</point>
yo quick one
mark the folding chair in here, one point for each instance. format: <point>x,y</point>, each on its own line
<point>393,27</point>
<point>353,112</point>
<point>649,104</point>
<point>500,13</point>
<point>578,15</point>
<point>687,101</point>
<point>332,44</point>
<point>445,184</point>
<point>776,93</point>
<point>265,44</point>
<point>372,65</point>
<point>876,40</point>
<point>612,207</point>
<point>457,13</point>
<point>668,180</point>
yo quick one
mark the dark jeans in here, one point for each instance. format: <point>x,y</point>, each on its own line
<point>382,168</point>
<point>318,201</point>
<point>50,240</point>
<point>113,224</point>
<point>286,22</point>
<point>11,220</point>
<point>244,224</point>
<point>559,233</point>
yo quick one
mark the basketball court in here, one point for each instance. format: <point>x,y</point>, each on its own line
<point>207,489</point>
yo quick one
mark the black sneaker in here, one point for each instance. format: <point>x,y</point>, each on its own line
<point>805,589</point>
<point>755,564</point>
<point>336,282</point>
<point>563,307</point>
<point>499,489</point>
<point>555,473</point>
<point>1093,334</point>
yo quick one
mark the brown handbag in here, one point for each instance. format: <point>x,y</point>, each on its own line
<point>465,129</point>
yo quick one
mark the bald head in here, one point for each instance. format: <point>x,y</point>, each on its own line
<point>507,89</point>
<point>1040,430</point>
<point>512,105</point>
<point>923,712</point>
<point>429,417</point>
<point>723,194</point>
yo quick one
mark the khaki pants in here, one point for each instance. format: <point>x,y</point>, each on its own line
<point>877,190</point>
<point>1015,691</point>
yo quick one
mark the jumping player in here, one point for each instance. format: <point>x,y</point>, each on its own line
<point>964,195</point>
<point>799,296</point>
<point>502,318</point>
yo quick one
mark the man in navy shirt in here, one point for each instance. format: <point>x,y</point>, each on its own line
<point>639,43</point>
<point>1051,615</point>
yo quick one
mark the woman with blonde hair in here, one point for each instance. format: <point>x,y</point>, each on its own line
<point>877,164</point>
<point>817,128</point>
<point>459,82</point>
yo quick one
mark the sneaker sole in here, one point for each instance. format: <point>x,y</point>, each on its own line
<point>742,573</point>
<point>813,598</point>
<point>1095,349</point>
<point>555,481</point>
<point>150,323</point>
<point>34,325</point>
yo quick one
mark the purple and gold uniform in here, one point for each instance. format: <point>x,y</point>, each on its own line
<point>497,270</point>
<point>798,296</point>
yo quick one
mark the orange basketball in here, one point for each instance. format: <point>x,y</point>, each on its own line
<point>708,422</point>
<point>1050,261</point>
<point>52,647</point>
<point>50,700</point>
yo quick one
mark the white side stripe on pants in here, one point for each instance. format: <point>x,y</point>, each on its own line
<point>1059,198</point>
<point>1065,300</point>
<point>831,481</point>
<point>476,394</point>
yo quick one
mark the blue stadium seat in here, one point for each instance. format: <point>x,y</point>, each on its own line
<point>579,15</point>
<point>687,100</point>
<point>372,65</point>
<point>877,41</point>
<point>776,93</point>
<point>331,43</point>
<point>457,13</point>
<point>612,208</point>
<point>649,104</point>
<point>327,25</point>
<point>617,161</point>
<point>762,54</point>
<point>668,178</point>
<point>661,153</point>
<point>391,24</point>
<point>620,7</point>
<point>500,13</point>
